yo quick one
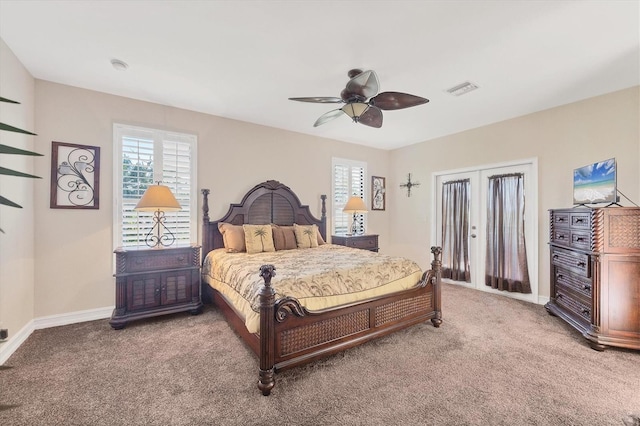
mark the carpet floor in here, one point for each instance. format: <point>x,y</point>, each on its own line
<point>494,361</point>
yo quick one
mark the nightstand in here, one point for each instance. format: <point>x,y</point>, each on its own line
<point>365,242</point>
<point>152,282</point>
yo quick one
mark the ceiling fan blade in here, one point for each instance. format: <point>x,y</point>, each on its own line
<point>397,100</point>
<point>319,99</point>
<point>372,117</point>
<point>364,84</point>
<point>328,117</point>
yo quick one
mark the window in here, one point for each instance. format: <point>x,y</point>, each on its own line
<point>143,157</point>
<point>348,179</point>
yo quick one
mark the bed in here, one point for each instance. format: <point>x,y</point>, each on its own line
<point>287,331</point>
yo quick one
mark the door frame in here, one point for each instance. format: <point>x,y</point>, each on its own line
<point>531,203</point>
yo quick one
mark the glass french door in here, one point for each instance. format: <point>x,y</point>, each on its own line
<point>467,231</point>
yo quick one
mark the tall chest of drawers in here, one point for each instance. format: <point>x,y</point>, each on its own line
<point>595,273</point>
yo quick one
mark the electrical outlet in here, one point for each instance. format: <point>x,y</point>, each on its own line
<point>4,333</point>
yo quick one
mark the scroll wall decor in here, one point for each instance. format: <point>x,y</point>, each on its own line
<point>75,176</point>
<point>378,193</point>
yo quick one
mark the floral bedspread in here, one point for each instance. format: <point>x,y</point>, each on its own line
<point>328,270</point>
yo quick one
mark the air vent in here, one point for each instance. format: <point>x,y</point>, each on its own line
<point>462,88</point>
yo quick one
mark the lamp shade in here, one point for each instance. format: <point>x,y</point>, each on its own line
<point>355,205</point>
<point>157,197</point>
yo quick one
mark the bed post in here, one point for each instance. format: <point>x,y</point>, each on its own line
<point>205,221</point>
<point>436,267</point>
<point>323,217</point>
<point>267,296</point>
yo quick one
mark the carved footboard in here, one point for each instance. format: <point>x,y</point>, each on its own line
<point>290,335</point>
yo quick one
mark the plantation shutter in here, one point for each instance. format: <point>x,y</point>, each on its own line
<point>348,180</point>
<point>145,157</point>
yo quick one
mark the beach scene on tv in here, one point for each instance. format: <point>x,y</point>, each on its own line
<point>595,183</point>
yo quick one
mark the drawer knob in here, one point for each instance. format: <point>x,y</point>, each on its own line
<point>586,287</point>
<point>581,264</point>
<point>555,257</point>
<point>579,220</point>
<point>560,276</point>
<point>560,237</point>
<point>585,310</point>
<point>180,258</point>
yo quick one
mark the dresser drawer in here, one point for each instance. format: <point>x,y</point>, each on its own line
<point>366,242</point>
<point>561,236</point>
<point>578,307</point>
<point>578,284</point>
<point>560,219</point>
<point>159,261</point>
<point>580,220</point>
<point>581,240</point>
<point>578,263</point>
<point>363,242</point>
<point>133,261</point>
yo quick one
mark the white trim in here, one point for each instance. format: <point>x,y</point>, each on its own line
<point>8,348</point>
<point>73,317</point>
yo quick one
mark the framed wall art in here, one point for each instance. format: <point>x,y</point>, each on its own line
<point>378,195</point>
<point>75,176</point>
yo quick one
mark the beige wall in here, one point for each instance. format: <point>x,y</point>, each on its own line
<point>74,247</point>
<point>16,244</point>
<point>561,139</point>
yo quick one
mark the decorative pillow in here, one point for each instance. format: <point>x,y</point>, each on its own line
<point>284,237</point>
<point>258,238</point>
<point>233,237</point>
<point>306,235</point>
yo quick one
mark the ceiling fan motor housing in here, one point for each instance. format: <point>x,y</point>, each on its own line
<point>350,97</point>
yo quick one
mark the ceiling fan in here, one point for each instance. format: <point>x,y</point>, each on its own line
<point>362,101</point>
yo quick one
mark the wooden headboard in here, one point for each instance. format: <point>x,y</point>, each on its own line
<point>267,202</point>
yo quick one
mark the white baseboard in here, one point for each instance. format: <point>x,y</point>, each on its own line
<point>543,300</point>
<point>8,347</point>
<point>72,318</point>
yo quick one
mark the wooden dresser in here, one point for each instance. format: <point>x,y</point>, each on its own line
<point>366,241</point>
<point>595,273</point>
<point>151,282</point>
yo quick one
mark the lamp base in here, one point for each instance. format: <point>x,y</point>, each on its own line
<point>354,225</point>
<point>163,237</point>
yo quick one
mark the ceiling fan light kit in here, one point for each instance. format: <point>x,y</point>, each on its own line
<point>354,109</point>
<point>363,103</point>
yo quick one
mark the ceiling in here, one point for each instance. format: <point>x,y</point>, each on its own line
<point>243,59</point>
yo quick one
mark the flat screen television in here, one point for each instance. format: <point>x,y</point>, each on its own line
<point>595,183</point>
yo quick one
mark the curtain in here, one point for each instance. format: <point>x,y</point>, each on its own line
<point>455,230</point>
<point>506,261</point>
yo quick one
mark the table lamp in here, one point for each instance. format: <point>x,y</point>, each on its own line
<point>158,199</point>
<point>355,205</point>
